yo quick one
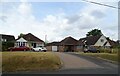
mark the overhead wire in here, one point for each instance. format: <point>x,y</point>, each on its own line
<point>101,4</point>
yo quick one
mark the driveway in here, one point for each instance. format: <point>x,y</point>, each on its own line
<point>79,64</point>
<point>73,62</point>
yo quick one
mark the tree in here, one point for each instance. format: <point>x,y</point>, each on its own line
<point>94,32</point>
<point>21,35</point>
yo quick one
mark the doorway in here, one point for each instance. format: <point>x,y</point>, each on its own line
<point>69,48</point>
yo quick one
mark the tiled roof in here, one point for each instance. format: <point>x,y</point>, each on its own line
<point>53,44</point>
<point>69,41</point>
<point>31,37</point>
<point>112,43</point>
<point>91,40</point>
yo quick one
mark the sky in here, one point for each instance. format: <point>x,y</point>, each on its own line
<point>58,20</point>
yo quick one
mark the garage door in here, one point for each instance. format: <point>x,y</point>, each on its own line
<point>54,48</point>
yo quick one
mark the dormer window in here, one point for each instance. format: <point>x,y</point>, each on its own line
<point>102,40</point>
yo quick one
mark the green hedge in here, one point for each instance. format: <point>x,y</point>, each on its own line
<point>107,50</point>
<point>6,45</point>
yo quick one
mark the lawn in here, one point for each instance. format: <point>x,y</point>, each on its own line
<point>29,61</point>
<point>107,56</point>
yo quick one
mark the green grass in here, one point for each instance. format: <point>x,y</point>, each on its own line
<point>29,61</point>
<point>108,56</point>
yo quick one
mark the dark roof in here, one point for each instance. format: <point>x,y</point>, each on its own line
<point>69,41</point>
<point>91,40</point>
<point>112,43</point>
<point>53,44</point>
<point>80,42</point>
<point>8,37</point>
<point>31,37</point>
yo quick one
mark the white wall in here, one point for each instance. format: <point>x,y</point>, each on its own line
<point>99,43</point>
<point>21,40</point>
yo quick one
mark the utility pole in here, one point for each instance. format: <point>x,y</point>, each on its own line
<point>45,39</point>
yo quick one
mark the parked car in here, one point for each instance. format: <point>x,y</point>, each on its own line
<point>91,49</point>
<point>39,49</point>
<point>24,48</point>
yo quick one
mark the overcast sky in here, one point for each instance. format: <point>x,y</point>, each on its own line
<point>58,20</point>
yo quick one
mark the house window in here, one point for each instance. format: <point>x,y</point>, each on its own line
<point>4,40</point>
<point>102,40</point>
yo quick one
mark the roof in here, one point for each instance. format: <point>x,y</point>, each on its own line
<point>31,37</point>
<point>90,40</point>
<point>112,43</point>
<point>8,37</point>
<point>53,44</point>
<point>69,41</point>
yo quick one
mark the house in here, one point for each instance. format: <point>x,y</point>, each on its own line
<point>53,46</point>
<point>112,43</point>
<point>6,41</point>
<point>68,44</point>
<point>96,41</point>
<point>29,40</point>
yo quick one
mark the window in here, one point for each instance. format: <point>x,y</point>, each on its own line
<point>4,40</point>
<point>102,40</point>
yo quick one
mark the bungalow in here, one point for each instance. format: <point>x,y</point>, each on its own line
<point>29,40</point>
<point>96,41</point>
<point>6,41</point>
<point>68,44</point>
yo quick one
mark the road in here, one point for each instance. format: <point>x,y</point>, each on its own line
<point>79,64</point>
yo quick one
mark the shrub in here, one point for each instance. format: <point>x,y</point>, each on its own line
<point>6,45</point>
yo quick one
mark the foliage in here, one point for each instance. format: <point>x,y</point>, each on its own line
<point>6,45</point>
<point>21,35</point>
<point>94,32</point>
<point>109,50</point>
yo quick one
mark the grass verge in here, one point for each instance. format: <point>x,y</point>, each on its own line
<point>107,56</point>
<point>29,61</point>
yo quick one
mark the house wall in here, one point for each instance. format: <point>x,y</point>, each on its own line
<point>102,40</point>
<point>49,48</point>
<point>79,48</point>
<point>61,48</point>
<point>20,42</point>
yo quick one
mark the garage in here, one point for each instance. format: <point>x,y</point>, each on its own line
<point>54,48</point>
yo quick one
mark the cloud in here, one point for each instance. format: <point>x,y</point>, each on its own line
<point>21,19</point>
<point>97,14</point>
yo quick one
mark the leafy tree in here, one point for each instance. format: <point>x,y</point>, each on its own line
<point>21,34</point>
<point>94,32</point>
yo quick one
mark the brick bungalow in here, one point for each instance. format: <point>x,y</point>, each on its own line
<point>68,44</point>
<point>29,40</point>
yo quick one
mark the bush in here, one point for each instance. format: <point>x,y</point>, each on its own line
<point>107,50</point>
<point>104,50</point>
<point>6,45</point>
